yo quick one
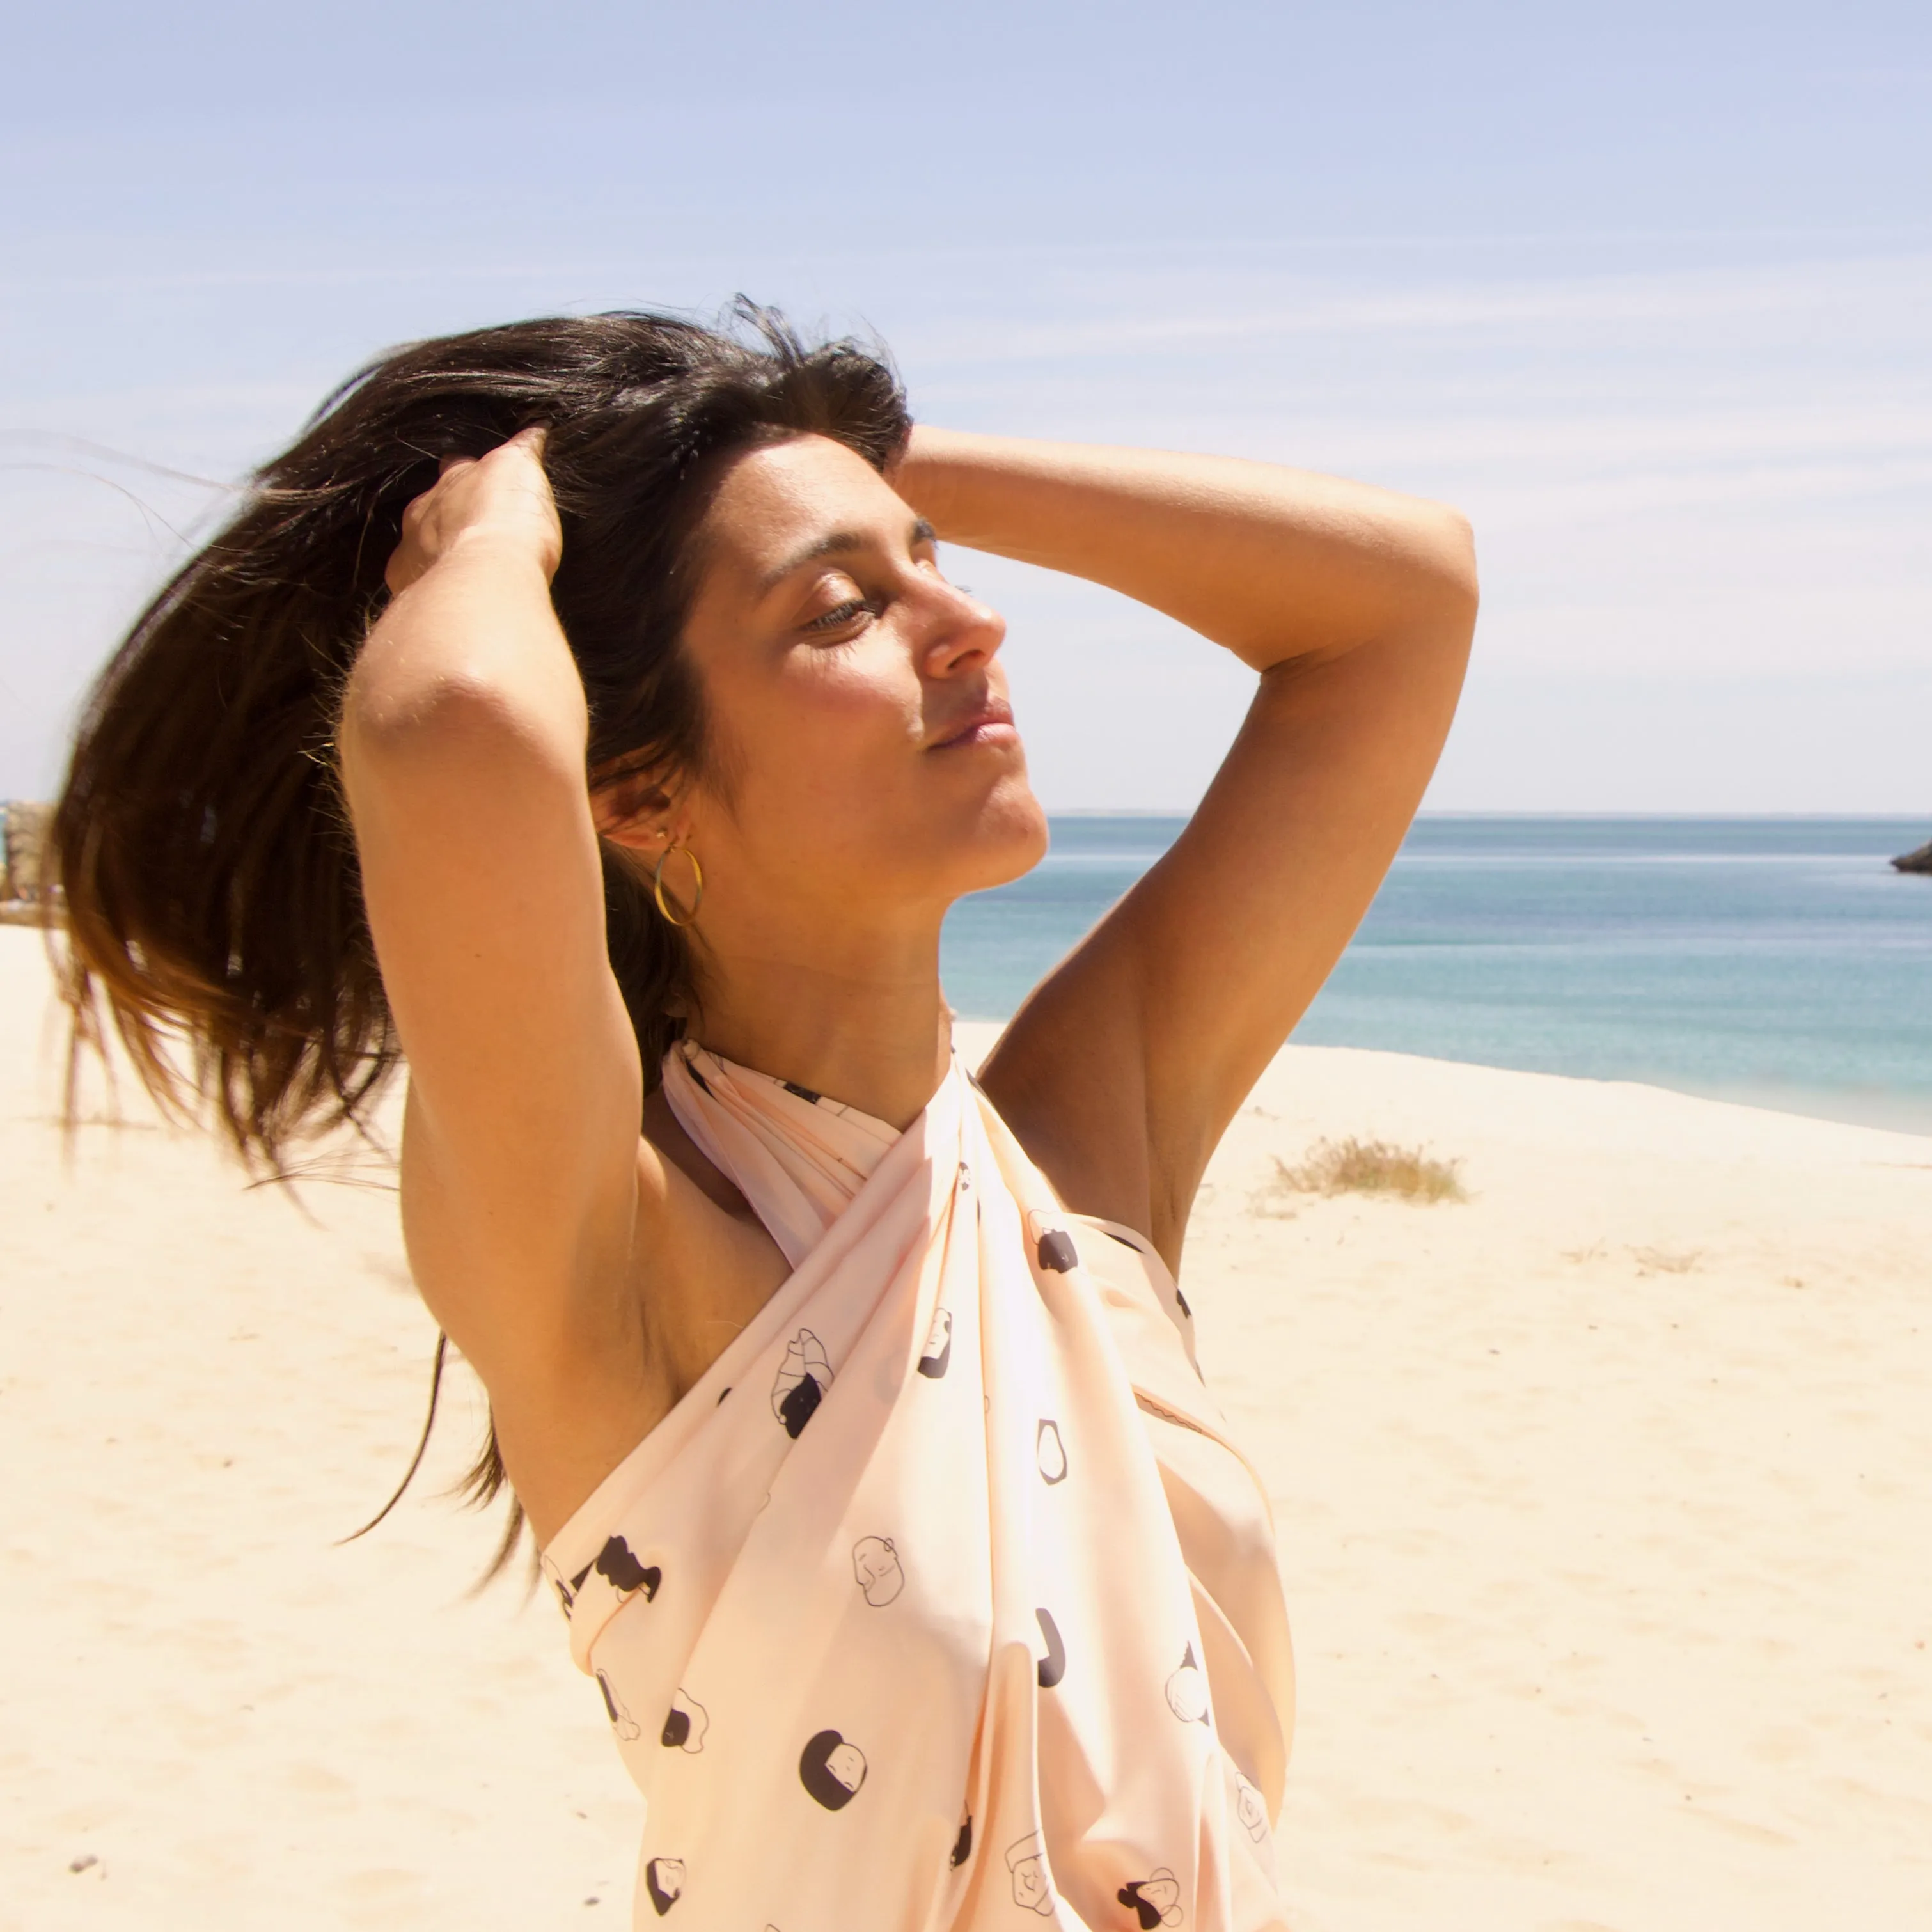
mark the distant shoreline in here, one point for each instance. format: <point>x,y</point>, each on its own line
<point>1923,819</point>
<point>1777,961</point>
<point>1883,1113</point>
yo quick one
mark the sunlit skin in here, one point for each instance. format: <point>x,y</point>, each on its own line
<point>865,771</point>
<point>868,762</point>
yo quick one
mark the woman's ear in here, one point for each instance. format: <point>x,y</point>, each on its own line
<point>632,809</point>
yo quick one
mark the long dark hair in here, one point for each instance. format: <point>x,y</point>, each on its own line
<point>212,897</point>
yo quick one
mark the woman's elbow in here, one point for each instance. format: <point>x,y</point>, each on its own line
<point>408,736</point>
<point>394,717</point>
<point>1449,556</point>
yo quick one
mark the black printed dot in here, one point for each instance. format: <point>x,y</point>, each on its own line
<point>1147,1910</point>
<point>685,1724</point>
<point>663,1882</point>
<point>1057,1253</point>
<point>623,1572</point>
<point>618,1717</point>
<point>802,1378</point>
<point>938,1352</point>
<point>1053,1665</point>
<point>799,1405</point>
<point>832,1770</point>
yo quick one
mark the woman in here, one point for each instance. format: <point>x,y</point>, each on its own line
<point>665,745</point>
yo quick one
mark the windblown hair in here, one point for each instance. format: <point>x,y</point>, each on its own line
<point>202,842</point>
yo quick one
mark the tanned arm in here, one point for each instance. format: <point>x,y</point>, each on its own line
<point>1355,607</point>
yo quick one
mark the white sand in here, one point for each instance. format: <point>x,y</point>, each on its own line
<point>1603,1500</point>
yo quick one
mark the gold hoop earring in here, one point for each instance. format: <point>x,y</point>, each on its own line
<point>658,890</point>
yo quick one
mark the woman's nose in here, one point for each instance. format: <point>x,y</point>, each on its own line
<point>966,633</point>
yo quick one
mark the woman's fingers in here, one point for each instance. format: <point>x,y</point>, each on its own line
<point>411,555</point>
<point>506,492</point>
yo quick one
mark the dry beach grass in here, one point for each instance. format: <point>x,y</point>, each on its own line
<point>1601,1497</point>
<point>1353,1165</point>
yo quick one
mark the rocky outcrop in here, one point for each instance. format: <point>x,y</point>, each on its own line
<point>1920,861</point>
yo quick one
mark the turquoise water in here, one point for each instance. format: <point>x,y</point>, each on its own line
<point>1778,961</point>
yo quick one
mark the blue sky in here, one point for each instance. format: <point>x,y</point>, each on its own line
<point>1647,292</point>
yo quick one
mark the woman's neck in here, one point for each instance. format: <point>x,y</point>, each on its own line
<point>867,1025</point>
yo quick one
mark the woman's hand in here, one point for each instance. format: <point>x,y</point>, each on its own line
<point>503,499</point>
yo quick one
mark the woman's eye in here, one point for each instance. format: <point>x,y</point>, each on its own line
<point>842,614</point>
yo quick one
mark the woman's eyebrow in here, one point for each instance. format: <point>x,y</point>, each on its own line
<point>839,543</point>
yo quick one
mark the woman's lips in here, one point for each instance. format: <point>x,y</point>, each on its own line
<point>992,724</point>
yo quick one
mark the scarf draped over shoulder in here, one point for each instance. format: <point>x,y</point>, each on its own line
<point>942,1601</point>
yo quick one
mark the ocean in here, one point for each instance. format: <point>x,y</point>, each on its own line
<point>1778,962</point>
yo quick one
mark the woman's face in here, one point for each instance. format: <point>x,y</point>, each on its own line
<point>857,708</point>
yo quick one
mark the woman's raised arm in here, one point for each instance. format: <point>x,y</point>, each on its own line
<point>462,740</point>
<point>1356,606</point>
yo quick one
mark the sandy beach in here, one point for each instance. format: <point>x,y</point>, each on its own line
<point>1603,1497</point>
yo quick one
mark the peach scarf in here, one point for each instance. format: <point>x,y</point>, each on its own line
<point>941,1601</point>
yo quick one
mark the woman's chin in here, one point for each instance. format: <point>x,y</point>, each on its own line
<point>1009,837</point>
